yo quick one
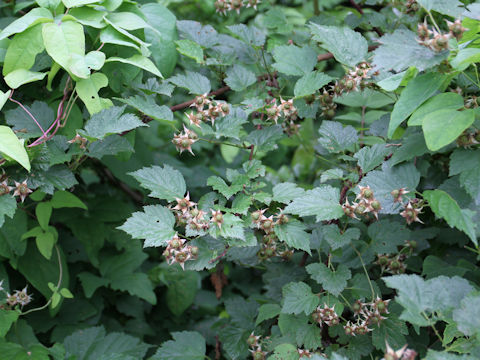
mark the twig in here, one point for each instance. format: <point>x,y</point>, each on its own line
<point>220,256</point>
<point>252,148</point>
<point>136,196</point>
<point>356,6</point>
<point>304,259</point>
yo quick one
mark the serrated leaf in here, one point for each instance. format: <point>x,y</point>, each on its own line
<point>445,207</point>
<point>294,60</point>
<point>387,235</point>
<point>347,46</point>
<point>194,82</point>
<point>294,235</point>
<point>389,178</point>
<point>111,121</point>
<point>467,164</point>
<point>267,311</point>
<point>190,49</point>
<point>419,297</point>
<point>400,50</point>
<point>466,315</point>
<point>415,94</point>
<point>147,105</point>
<point>447,7</point>
<point>186,345</point>
<point>154,225</point>
<point>239,78</point>
<point>249,34</point>
<point>218,184</point>
<point>7,318</point>
<point>336,239</point>
<point>309,83</point>
<point>443,127</point>
<point>164,183</point>
<point>286,192</point>
<point>8,206</point>
<point>332,281</point>
<point>413,145</point>
<point>181,290</point>
<point>321,202</point>
<point>392,331</point>
<point>371,157</point>
<point>336,138</point>
<point>265,139</point>
<point>298,298</point>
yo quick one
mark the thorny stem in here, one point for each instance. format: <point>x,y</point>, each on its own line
<point>433,21</point>
<point>432,325</point>
<point>60,278</point>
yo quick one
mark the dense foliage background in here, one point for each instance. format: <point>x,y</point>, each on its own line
<point>285,179</point>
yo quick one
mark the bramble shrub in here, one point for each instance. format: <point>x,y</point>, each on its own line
<point>239,179</point>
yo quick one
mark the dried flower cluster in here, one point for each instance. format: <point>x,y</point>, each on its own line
<point>184,140</point>
<point>411,6</point>
<point>365,204</point>
<point>19,297</point>
<point>207,110</point>
<point>325,315</point>
<point>366,314</point>
<point>436,40</point>
<point>468,138</point>
<point>393,264</point>
<point>255,346</point>
<point>401,354</point>
<point>20,189</point>
<point>79,140</point>
<point>179,251</point>
<point>355,79</point>
<point>223,6</point>
<point>287,110</point>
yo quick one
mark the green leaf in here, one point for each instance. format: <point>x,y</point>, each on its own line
<point>45,242</point>
<point>111,121</point>
<point>33,17</point>
<point>78,3</point>
<point>332,281</point>
<point>12,147</point>
<point>186,345</point>
<point>190,49</point>
<point>467,164</point>
<point>415,94</point>
<point>249,34</point>
<point>293,234</point>
<point>194,82</point>
<point>447,7</point>
<point>309,83</point>
<point>154,225</point>
<point>164,183</point>
<point>87,90</point>
<point>127,20</point>
<point>266,138</point>
<point>111,145</point>
<point>465,58</point>
<point>147,105</point>
<point>8,205</point>
<point>285,352</point>
<point>239,78</point>
<point>181,290</point>
<point>64,42</point>
<point>442,101</point>
<point>466,315</point>
<point>43,211</point>
<point>445,207</point>
<point>218,184</point>
<point>364,98</point>
<point>391,331</point>
<point>371,157</point>
<point>65,199</point>
<point>347,46</point>
<point>322,202</point>
<point>336,138</point>
<point>4,96</point>
<point>298,298</point>
<point>267,311</point>
<point>23,49</point>
<point>443,355</point>
<point>93,344</point>
<point>88,17</point>
<point>389,178</point>
<point>139,61</point>
<point>109,35</point>
<point>442,127</point>
<point>20,77</point>
<point>387,236</point>
<point>7,318</point>
<point>294,60</point>
<point>337,240</point>
<point>90,283</point>
<point>401,50</point>
<point>419,297</point>
<point>286,192</point>
<point>413,145</point>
